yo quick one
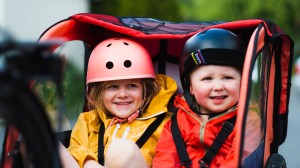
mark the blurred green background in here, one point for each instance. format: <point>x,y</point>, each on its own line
<point>282,12</point>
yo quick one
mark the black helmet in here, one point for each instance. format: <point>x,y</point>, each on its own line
<point>211,47</point>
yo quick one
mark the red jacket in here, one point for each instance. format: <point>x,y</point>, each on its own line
<point>197,135</point>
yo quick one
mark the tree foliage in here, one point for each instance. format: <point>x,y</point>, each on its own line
<point>159,9</point>
<point>282,12</point>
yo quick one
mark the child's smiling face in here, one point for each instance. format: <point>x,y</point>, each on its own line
<point>215,87</point>
<point>123,97</point>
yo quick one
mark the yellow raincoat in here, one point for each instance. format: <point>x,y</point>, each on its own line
<point>84,137</point>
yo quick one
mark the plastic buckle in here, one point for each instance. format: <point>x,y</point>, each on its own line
<point>202,164</point>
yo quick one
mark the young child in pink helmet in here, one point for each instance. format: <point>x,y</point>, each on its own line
<point>128,107</point>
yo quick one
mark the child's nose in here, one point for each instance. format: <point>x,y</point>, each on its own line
<point>123,93</point>
<point>218,85</point>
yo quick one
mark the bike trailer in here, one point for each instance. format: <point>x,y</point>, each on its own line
<point>266,78</point>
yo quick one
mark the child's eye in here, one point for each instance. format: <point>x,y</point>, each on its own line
<point>111,86</point>
<point>228,77</point>
<point>132,85</point>
<point>207,78</point>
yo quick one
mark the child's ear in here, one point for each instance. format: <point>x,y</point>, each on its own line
<point>191,90</point>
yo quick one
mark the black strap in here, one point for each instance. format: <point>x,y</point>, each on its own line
<point>101,144</point>
<point>140,142</point>
<point>216,145</point>
<point>149,131</point>
<point>179,143</point>
<point>211,152</point>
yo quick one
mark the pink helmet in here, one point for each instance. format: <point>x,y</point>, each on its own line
<point>119,58</point>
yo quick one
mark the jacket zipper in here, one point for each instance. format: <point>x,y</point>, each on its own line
<point>201,132</point>
<point>203,124</point>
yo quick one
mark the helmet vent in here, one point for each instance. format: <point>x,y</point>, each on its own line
<point>109,65</point>
<point>108,45</point>
<point>127,63</point>
<point>125,43</point>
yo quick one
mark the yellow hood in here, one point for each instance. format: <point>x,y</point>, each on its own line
<point>160,102</point>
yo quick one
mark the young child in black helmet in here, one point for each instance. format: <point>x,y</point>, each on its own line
<point>210,72</point>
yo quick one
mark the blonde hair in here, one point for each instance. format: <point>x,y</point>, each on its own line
<point>95,94</point>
